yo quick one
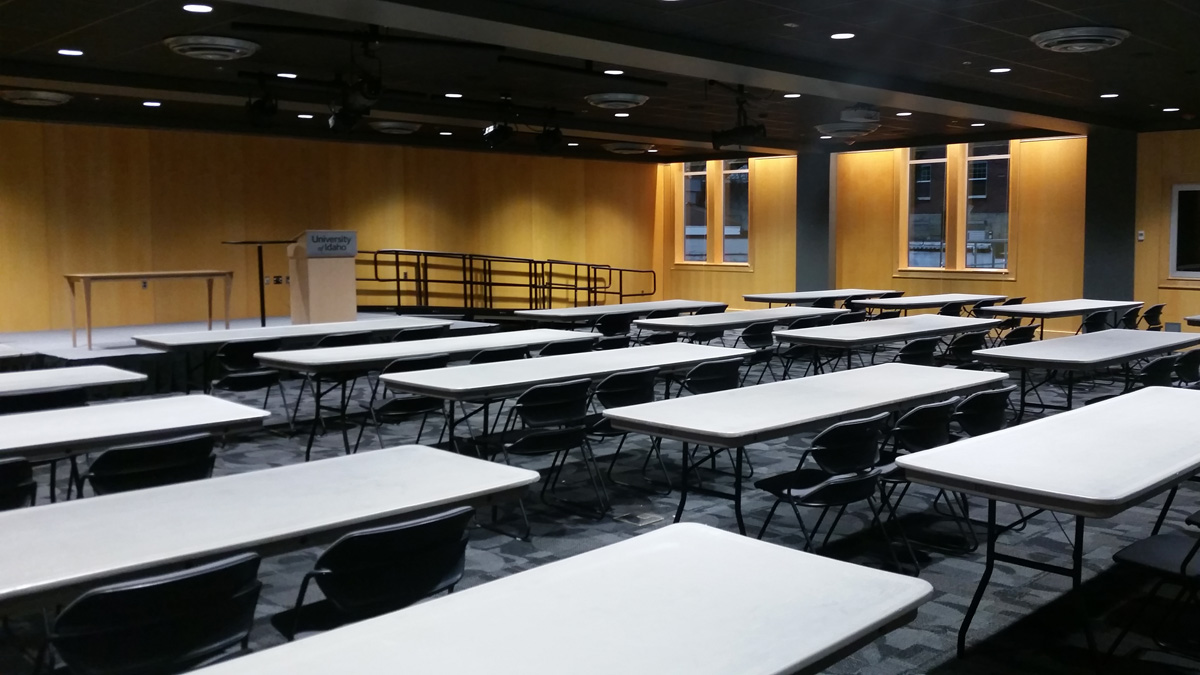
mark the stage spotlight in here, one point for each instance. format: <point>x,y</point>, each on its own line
<point>549,139</point>
<point>497,135</point>
<point>343,120</point>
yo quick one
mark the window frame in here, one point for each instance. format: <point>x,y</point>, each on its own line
<point>1172,255</point>
<point>708,202</point>
<point>715,209</point>
<point>724,203</point>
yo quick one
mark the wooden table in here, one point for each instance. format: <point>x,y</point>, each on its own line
<point>908,302</point>
<point>1081,353</point>
<point>1094,462</point>
<point>682,599</point>
<point>88,279</point>
<point>1040,311</point>
<point>54,552</point>
<point>35,381</point>
<point>729,320</point>
<point>590,313</point>
<point>809,297</point>
<point>738,417</point>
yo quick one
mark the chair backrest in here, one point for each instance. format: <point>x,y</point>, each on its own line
<point>49,399</point>
<point>918,352</point>
<point>850,302</point>
<point>659,339</point>
<point>825,303</point>
<point>567,347</point>
<point>420,333</point>
<point>1153,315</point>
<point>145,465</point>
<point>554,405</point>
<point>383,569</point>
<point>611,342</point>
<point>160,624</point>
<point>1131,317</point>
<point>850,317</point>
<point>963,346</point>
<point>758,335</point>
<point>849,447</point>
<point>706,336</point>
<point>926,426</point>
<point>629,387</point>
<point>952,309</point>
<point>803,322</point>
<point>17,487</point>
<point>891,294</point>
<point>1019,335</point>
<point>409,364</point>
<point>615,324</point>
<point>498,354</point>
<point>662,313</point>
<point>238,356</point>
<point>1014,301</point>
<point>1095,322</point>
<point>1188,366</point>
<point>711,376</point>
<point>1159,372</point>
<point>345,340</point>
<point>890,314</point>
<point>981,305</point>
<point>712,309</point>
<point>984,412</point>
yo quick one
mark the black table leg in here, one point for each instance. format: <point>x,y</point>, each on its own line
<point>262,292</point>
<point>737,490</point>
<point>983,582</point>
<point>312,432</point>
<point>1021,412</point>
<point>683,484</point>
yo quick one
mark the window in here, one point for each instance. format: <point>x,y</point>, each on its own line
<point>987,206</point>
<point>695,211</point>
<point>736,210</point>
<point>927,207</point>
<point>715,219</point>
<point>1185,231</point>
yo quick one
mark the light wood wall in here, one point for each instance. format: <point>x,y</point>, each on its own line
<point>1046,215</point>
<point>1165,159</point>
<point>99,199</point>
<point>772,226</point>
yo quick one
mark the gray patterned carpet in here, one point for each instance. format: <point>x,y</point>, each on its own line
<point>1025,624</point>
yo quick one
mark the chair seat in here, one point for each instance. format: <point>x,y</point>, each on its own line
<point>793,484</point>
<point>247,381</point>
<point>1163,553</point>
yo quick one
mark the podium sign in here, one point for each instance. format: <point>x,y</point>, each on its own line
<point>331,243</point>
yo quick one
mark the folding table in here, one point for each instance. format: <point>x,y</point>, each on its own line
<point>1041,311</point>
<point>1081,353</point>
<point>736,418</point>
<point>590,313</point>
<point>54,552</point>
<point>46,379</point>
<point>1094,462</point>
<point>682,599</point>
<point>729,320</point>
<point>808,297</point>
<point>908,302</point>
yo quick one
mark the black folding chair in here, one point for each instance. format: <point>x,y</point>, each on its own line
<point>419,333</point>
<point>952,309</point>
<point>568,347</point>
<point>17,486</point>
<point>1187,368</point>
<point>151,464</point>
<point>1153,317</point>
<point>962,348</point>
<point>759,337</point>
<point>238,371</point>
<point>402,407</point>
<point>1094,323</point>
<point>919,352</point>
<point>710,377</point>
<point>615,324</point>
<point>630,387</point>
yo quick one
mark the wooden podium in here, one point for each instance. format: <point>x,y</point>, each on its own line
<point>321,264</point>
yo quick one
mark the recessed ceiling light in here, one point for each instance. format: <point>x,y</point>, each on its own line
<point>572,145</point>
<point>1000,70</point>
<point>825,138</point>
<point>791,24</point>
<point>652,150</point>
<point>614,71</point>
<point>1109,95</point>
<point>304,116</point>
<point>791,95</point>
<point>70,52</point>
<point>620,114</point>
<point>151,104</point>
<point>841,36</point>
<point>453,95</point>
<point>445,133</point>
<point>286,76</point>
<point>903,114</point>
<point>197,9</point>
<point>1170,109</point>
<point>977,124</point>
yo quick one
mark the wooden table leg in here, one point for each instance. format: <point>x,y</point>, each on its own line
<point>228,297</point>
<point>209,282</point>
<point>87,309</point>
<point>71,285</point>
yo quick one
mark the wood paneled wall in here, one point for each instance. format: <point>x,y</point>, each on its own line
<point>772,225</point>
<point>98,199</point>
<point>1165,159</point>
<point>1046,212</point>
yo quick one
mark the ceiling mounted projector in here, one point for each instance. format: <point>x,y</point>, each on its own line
<point>857,121</point>
<point>627,147</point>
<point>1082,40</point>
<point>34,97</point>
<point>211,47</point>
<point>497,135</point>
<point>615,101</point>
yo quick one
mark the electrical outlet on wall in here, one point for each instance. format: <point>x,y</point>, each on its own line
<point>1141,235</point>
<point>145,284</point>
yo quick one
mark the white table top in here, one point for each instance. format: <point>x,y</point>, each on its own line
<point>1048,310</point>
<point>1088,350</point>
<point>510,378</point>
<point>33,381</point>
<point>729,320</point>
<point>66,544</point>
<point>592,312</point>
<point>683,599</point>
<point>1094,461</point>
<point>882,331</point>
<point>811,296</point>
<point>71,431</point>
<point>763,412</point>
<point>927,301</point>
<point>1193,320</point>
<point>379,355</point>
<point>309,330</point>
<point>8,352</point>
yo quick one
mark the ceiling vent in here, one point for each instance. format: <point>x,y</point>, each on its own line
<point>627,148</point>
<point>394,127</point>
<point>1080,40</point>
<point>211,47</point>
<point>616,101</point>
<point>34,97</point>
<point>858,120</point>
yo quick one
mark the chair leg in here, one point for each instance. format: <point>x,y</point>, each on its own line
<point>770,514</point>
<point>1137,614</point>
<point>286,409</point>
<point>833,526</point>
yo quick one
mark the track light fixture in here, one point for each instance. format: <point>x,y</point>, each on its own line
<point>744,133</point>
<point>497,135</point>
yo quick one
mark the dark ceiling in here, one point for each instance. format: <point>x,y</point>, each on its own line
<point>927,56</point>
